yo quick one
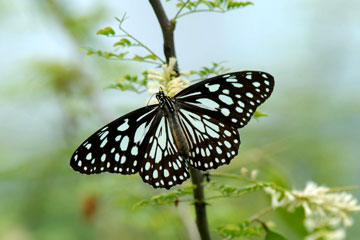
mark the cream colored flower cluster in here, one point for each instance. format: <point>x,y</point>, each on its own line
<point>167,81</point>
<point>326,212</point>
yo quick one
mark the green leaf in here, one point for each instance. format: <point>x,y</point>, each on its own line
<point>170,198</point>
<point>271,235</point>
<point>236,4</point>
<point>138,58</point>
<point>106,31</point>
<point>124,42</point>
<point>151,56</point>
<point>122,55</point>
<point>259,114</point>
<point>139,204</point>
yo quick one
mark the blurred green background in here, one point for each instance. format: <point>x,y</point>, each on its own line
<point>52,97</point>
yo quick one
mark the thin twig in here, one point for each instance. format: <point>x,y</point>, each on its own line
<point>233,176</point>
<point>200,10</point>
<point>130,59</point>
<point>177,14</point>
<point>141,44</point>
<point>261,213</point>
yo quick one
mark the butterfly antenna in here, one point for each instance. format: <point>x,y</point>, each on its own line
<point>152,95</point>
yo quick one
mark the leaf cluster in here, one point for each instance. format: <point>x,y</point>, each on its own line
<point>245,228</point>
<point>216,68</point>
<point>126,41</point>
<point>226,190</point>
<point>248,228</point>
<point>169,198</point>
<point>131,82</point>
<point>221,6</point>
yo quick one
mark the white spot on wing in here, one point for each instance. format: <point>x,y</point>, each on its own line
<point>212,87</point>
<point>256,84</point>
<point>225,111</point>
<point>208,103</point>
<point>226,99</point>
<point>166,173</point>
<point>237,85</point>
<point>124,125</point>
<point>139,133</point>
<point>124,143</point>
<point>103,157</point>
<point>134,150</point>
<point>103,135</point>
<point>250,95</point>
<point>155,174</point>
<point>103,143</point>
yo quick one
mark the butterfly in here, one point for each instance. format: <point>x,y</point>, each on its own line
<point>198,127</point>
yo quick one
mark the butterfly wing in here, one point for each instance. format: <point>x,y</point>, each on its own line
<point>116,147</point>
<point>162,165</point>
<point>211,111</point>
<point>213,140</point>
<point>236,95</point>
<point>140,141</point>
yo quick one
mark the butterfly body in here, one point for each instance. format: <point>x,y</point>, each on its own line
<point>170,111</point>
<point>197,127</point>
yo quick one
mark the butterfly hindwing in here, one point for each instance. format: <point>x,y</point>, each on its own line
<point>115,147</point>
<point>235,95</point>
<point>162,165</point>
<point>213,141</point>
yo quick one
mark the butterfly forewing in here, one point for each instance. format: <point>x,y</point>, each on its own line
<point>115,148</point>
<point>235,95</point>
<point>213,141</point>
<point>162,165</point>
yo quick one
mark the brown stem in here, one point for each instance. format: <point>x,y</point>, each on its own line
<point>167,28</point>
<point>197,176</point>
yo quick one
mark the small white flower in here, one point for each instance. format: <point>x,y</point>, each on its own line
<point>176,85</point>
<point>277,198</point>
<point>167,80</point>
<point>254,174</point>
<point>244,171</point>
<point>323,209</point>
<point>153,87</point>
<point>338,234</point>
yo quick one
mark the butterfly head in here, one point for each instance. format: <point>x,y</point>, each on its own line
<point>165,101</point>
<point>161,96</point>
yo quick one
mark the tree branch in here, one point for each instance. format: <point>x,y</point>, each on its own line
<point>197,177</point>
<point>167,29</point>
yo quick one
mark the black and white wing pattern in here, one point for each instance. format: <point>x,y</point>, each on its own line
<point>206,117</point>
<point>213,140</point>
<point>236,95</point>
<point>116,147</point>
<point>162,165</point>
<point>140,141</point>
<point>211,111</point>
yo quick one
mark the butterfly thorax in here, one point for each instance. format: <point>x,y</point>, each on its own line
<point>171,111</point>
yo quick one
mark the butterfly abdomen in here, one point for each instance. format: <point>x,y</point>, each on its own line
<point>177,132</point>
